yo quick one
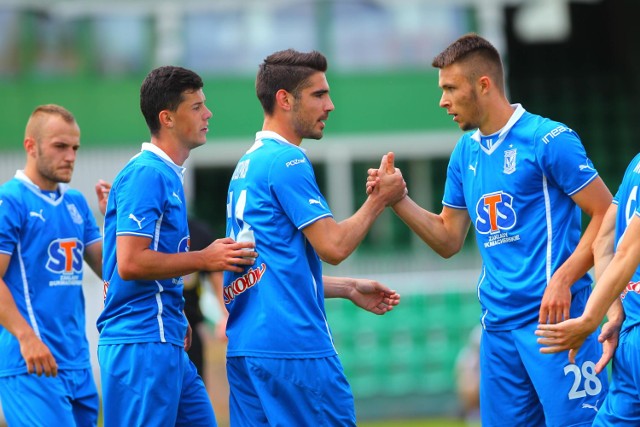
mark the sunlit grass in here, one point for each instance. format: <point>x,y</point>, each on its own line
<point>414,423</point>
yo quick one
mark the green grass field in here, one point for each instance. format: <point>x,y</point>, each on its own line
<point>407,423</point>
<point>415,423</point>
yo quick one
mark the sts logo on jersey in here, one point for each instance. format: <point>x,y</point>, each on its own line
<point>495,213</point>
<point>65,256</point>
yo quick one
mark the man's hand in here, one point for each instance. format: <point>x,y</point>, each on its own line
<point>37,356</point>
<point>102,192</point>
<point>556,302</point>
<point>188,338</point>
<point>227,254</point>
<point>373,296</point>
<point>387,181</point>
<point>571,334</point>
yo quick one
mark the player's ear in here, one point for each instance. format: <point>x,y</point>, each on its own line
<point>166,118</point>
<point>30,146</point>
<point>484,84</point>
<point>284,99</point>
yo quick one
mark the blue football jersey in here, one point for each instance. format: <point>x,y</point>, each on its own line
<point>146,199</point>
<point>627,200</point>
<point>517,186</point>
<point>46,238</point>
<point>276,307</point>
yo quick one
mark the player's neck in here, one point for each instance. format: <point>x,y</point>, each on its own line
<point>43,183</point>
<point>283,130</point>
<point>497,118</point>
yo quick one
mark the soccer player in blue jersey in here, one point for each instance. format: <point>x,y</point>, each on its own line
<point>617,252</point>
<point>46,231</point>
<point>522,181</point>
<point>147,377</point>
<point>281,362</point>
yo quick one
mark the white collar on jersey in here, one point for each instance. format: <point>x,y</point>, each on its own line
<point>21,176</point>
<point>268,134</point>
<point>517,113</point>
<point>147,146</point>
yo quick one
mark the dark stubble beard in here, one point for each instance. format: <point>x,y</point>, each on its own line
<point>305,128</point>
<point>47,171</point>
<point>473,101</point>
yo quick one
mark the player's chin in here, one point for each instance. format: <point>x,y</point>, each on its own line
<point>199,142</point>
<point>314,135</point>
<point>64,177</point>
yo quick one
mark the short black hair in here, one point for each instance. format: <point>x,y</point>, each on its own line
<point>288,70</point>
<point>162,89</point>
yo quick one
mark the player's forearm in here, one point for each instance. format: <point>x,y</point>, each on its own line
<point>615,313</point>
<point>342,240</point>
<point>582,258</point>
<point>603,245</point>
<point>10,317</point>
<point>430,227</point>
<point>153,265</point>
<point>337,287</point>
<point>612,283</point>
<point>93,257</point>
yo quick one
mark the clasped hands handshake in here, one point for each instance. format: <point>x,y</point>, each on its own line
<point>387,181</point>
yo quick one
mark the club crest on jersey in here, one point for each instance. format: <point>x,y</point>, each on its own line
<point>75,215</point>
<point>243,283</point>
<point>65,256</point>
<point>509,161</point>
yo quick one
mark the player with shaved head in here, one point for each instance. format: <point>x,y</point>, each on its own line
<point>46,231</point>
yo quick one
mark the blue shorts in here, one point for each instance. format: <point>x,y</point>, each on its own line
<point>289,392</point>
<point>152,384</point>
<point>68,399</point>
<point>622,405</point>
<point>519,386</point>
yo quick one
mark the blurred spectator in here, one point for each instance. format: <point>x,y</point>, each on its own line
<point>467,372</point>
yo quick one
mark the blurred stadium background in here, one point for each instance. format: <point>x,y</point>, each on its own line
<point>576,61</point>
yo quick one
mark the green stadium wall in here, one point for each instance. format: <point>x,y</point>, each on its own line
<point>109,115</point>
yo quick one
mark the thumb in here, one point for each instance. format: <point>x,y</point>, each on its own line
<point>383,164</point>
<point>572,355</point>
<point>390,167</point>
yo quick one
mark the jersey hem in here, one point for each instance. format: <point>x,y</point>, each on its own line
<point>23,370</point>
<point>135,340</point>
<point>280,355</point>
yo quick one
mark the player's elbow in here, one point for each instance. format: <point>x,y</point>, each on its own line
<point>334,256</point>
<point>448,250</point>
<point>448,253</point>
<point>128,270</point>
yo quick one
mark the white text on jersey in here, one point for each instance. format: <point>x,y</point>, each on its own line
<point>555,132</point>
<point>241,170</point>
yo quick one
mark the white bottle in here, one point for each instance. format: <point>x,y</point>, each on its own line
<point>246,235</point>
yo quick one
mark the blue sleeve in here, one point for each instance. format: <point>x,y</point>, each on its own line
<point>453,189</point>
<point>563,158</point>
<point>293,183</point>
<point>633,169</point>
<point>11,214</point>
<point>91,230</point>
<point>140,197</point>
